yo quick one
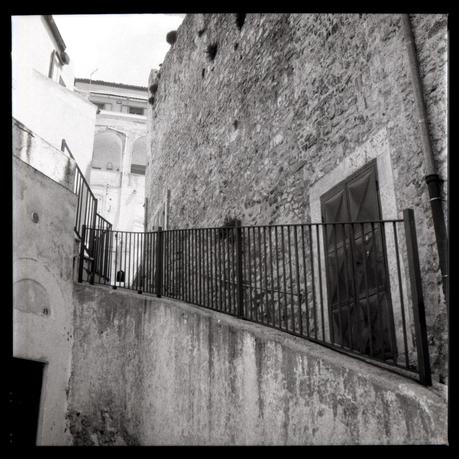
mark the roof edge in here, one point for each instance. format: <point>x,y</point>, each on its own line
<point>55,31</point>
<point>112,84</point>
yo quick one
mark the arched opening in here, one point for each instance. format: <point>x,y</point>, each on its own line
<point>139,156</point>
<point>108,147</point>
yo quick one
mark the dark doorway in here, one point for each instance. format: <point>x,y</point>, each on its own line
<point>360,307</point>
<point>25,381</point>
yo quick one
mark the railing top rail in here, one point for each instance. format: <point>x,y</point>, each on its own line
<point>102,218</point>
<point>65,146</point>
<point>359,222</point>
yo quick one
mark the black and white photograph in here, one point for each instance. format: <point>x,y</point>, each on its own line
<point>230,229</point>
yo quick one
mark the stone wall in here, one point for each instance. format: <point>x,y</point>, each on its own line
<point>43,249</point>
<point>149,371</point>
<point>248,130</point>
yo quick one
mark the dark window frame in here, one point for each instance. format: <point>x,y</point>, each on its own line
<point>141,109</point>
<point>340,187</point>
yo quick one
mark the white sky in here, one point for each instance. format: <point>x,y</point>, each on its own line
<point>124,47</point>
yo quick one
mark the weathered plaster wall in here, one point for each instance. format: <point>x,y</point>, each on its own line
<point>55,113</point>
<point>41,155</point>
<point>43,249</point>
<point>151,371</point>
<point>285,102</point>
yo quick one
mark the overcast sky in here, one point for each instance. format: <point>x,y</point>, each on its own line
<point>123,47</point>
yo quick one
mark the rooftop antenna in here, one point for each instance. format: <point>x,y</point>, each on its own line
<point>90,78</point>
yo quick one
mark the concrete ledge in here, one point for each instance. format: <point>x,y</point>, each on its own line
<point>195,376</point>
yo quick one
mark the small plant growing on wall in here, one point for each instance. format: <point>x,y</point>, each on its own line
<point>171,37</point>
<point>151,100</point>
<point>226,232</point>
<point>240,19</point>
<point>212,51</point>
<point>154,88</point>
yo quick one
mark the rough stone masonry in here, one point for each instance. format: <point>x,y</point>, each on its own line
<point>250,115</point>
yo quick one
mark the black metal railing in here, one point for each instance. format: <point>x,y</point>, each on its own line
<point>86,213</point>
<point>351,286</point>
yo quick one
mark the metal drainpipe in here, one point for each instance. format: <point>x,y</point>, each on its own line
<point>432,179</point>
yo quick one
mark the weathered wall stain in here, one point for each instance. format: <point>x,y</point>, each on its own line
<point>199,377</point>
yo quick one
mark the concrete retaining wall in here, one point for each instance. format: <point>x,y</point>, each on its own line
<point>152,371</point>
<point>43,248</point>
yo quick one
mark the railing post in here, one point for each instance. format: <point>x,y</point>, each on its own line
<point>159,262</point>
<point>81,263</point>
<point>240,292</point>
<point>92,254</point>
<point>422,349</point>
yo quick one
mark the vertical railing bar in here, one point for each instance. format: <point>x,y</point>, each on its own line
<point>81,260</point>
<point>292,302</point>
<point>244,273</point>
<point>146,257</point>
<point>268,312</point>
<point>235,274</point>
<point>273,312</point>
<point>258,269</point>
<point>346,284</point>
<point>198,266</point>
<point>205,253</point>
<point>314,300</point>
<point>422,348</point>
<point>199,247</point>
<point>116,260</point>
<point>338,289</point>
<point>285,311</point>
<point>206,268</point>
<point>229,248</point>
<point>221,255</point>
<point>215,297</point>
<point>175,255</point>
<point>190,265</point>
<point>370,327</point>
<point>249,305</point>
<point>305,281</point>
<point>239,273</point>
<point>279,313</point>
<point>225,243</point>
<point>297,265</point>
<point>319,268</point>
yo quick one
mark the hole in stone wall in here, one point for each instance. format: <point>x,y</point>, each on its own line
<point>212,51</point>
<point>203,72</point>
<point>151,100</point>
<point>236,46</point>
<point>235,124</point>
<point>200,32</point>
<point>240,19</point>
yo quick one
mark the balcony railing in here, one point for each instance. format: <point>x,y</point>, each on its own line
<point>351,286</point>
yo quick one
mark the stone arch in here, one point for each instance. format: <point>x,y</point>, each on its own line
<point>139,156</point>
<point>108,150</point>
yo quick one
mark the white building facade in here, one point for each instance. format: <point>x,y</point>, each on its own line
<point>117,176</point>
<point>43,96</point>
